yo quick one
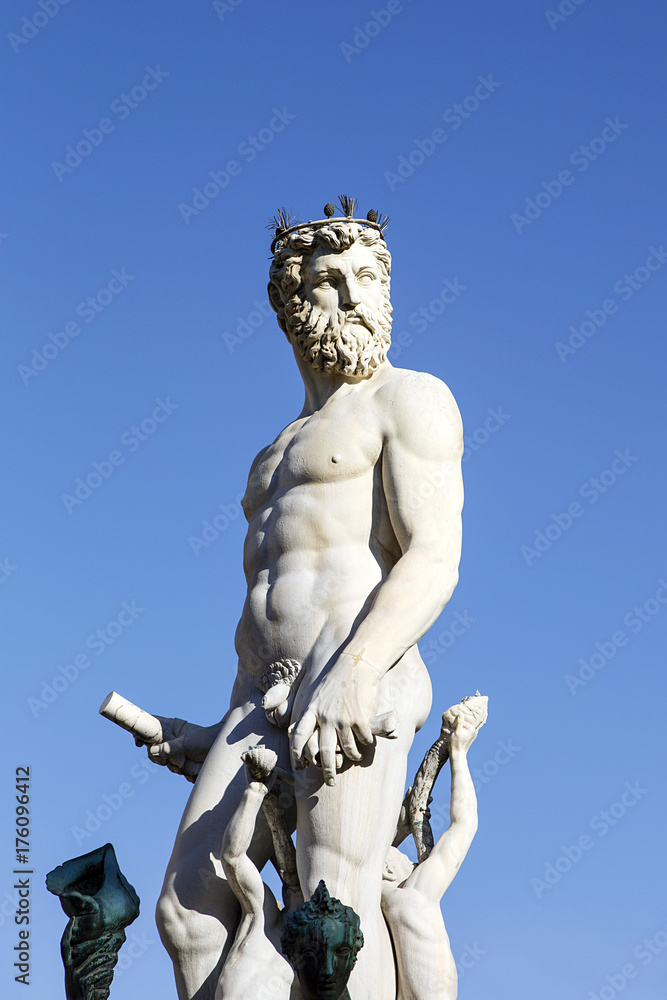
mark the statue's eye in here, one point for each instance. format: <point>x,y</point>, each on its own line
<point>325,283</point>
<point>343,951</point>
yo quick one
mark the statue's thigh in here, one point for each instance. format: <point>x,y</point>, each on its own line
<point>345,831</point>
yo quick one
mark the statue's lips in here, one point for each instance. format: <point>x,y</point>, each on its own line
<point>357,321</point>
<point>329,991</point>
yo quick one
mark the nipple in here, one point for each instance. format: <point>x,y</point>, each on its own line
<point>335,458</point>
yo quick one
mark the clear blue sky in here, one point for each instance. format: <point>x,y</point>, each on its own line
<point>540,199</point>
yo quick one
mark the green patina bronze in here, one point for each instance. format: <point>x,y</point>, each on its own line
<point>100,903</point>
<point>321,940</point>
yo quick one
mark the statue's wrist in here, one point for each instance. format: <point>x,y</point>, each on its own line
<point>360,661</point>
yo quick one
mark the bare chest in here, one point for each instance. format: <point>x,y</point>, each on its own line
<point>333,446</point>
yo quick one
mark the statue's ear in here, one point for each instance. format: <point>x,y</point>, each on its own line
<point>275,298</point>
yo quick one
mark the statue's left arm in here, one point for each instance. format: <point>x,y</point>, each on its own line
<point>421,476</point>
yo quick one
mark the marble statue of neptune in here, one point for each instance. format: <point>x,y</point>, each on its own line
<point>352,552</point>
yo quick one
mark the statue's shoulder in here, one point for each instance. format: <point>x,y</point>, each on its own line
<point>407,397</point>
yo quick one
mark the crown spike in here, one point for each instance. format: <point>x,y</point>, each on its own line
<point>348,205</point>
<point>282,221</point>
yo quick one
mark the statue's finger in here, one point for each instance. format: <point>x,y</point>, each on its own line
<point>163,751</point>
<point>348,744</point>
<point>364,734</point>
<point>154,754</point>
<point>301,732</point>
<point>312,748</point>
<point>328,753</point>
<point>171,752</point>
<point>385,725</point>
<point>191,769</point>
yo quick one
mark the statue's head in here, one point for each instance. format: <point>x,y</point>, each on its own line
<point>329,287</point>
<point>397,867</point>
<point>321,940</point>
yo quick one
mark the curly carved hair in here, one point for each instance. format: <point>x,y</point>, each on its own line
<point>320,906</point>
<point>285,272</point>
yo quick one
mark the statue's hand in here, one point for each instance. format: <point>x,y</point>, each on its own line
<point>338,714</point>
<point>184,747</point>
<point>462,722</point>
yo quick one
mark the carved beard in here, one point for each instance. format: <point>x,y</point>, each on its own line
<point>339,344</point>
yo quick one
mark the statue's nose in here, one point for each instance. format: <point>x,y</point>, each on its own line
<point>328,967</point>
<point>349,294</point>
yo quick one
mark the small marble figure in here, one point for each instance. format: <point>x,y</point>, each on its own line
<point>411,893</point>
<point>100,903</point>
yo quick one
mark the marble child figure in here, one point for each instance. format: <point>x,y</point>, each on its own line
<point>255,961</point>
<point>352,552</point>
<point>411,894</point>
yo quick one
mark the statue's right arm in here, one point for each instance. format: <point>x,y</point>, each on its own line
<point>184,747</point>
<point>242,875</point>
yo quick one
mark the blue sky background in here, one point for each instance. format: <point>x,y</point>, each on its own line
<point>171,333</point>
